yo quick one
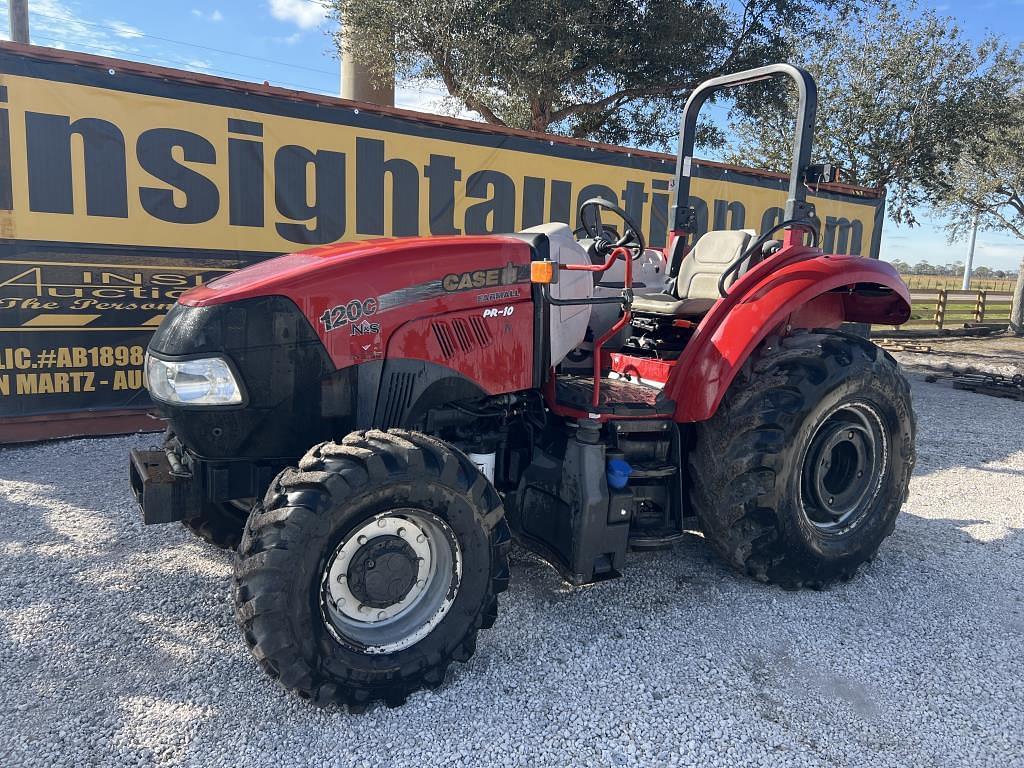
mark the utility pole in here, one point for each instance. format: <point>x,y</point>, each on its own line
<point>1017,308</point>
<point>358,83</point>
<point>18,14</point>
<point>969,266</point>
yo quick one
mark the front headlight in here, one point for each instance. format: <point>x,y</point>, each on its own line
<point>202,381</point>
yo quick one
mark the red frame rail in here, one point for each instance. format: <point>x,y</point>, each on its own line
<point>627,291</point>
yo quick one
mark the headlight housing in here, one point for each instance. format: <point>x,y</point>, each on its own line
<point>199,381</point>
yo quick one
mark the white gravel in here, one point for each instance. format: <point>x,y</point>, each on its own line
<point>117,645</point>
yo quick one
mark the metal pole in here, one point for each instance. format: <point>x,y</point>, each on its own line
<point>18,14</point>
<point>969,266</point>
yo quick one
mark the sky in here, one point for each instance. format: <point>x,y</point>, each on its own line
<point>288,43</point>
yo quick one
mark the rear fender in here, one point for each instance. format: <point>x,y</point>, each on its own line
<point>798,288</point>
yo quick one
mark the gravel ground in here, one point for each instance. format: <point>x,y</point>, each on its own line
<point>117,644</point>
<point>1001,353</point>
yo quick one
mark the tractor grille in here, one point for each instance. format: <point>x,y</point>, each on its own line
<point>461,335</point>
<point>395,397</point>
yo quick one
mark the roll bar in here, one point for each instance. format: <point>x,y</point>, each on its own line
<point>684,220</point>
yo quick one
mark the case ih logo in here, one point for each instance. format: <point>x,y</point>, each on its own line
<point>351,314</point>
<point>483,278</point>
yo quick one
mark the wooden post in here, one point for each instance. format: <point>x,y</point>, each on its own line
<point>940,309</point>
<point>979,308</point>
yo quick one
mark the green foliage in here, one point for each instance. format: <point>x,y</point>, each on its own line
<point>987,181</point>
<point>900,94</point>
<point>611,70</point>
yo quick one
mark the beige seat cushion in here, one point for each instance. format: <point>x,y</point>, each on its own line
<point>667,304</point>
<point>704,265</point>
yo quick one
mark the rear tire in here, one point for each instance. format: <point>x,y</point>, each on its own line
<point>219,524</point>
<point>800,474</point>
<point>309,593</point>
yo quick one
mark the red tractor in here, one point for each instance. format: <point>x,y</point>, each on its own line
<point>461,391</point>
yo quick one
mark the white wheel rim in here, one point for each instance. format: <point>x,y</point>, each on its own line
<point>381,629</point>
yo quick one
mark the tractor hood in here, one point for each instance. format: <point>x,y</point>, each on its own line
<point>306,333</point>
<point>356,295</point>
<point>374,265</point>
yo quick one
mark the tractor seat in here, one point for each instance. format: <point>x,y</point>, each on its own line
<point>667,304</point>
<point>695,289</point>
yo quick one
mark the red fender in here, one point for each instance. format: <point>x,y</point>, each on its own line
<point>797,288</point>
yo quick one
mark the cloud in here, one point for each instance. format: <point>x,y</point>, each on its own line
<point>198,65</point>
<point>56,24</point>
<point>124,30</point>
<point>998,255</point>
<point>306,14</point>
<point>1001,249</point>
<point>215,15</point>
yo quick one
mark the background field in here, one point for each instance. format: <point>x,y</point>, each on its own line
<point>951,282</point>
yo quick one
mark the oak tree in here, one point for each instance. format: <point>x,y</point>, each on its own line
<point>611,70</point>
<point>900,94</point>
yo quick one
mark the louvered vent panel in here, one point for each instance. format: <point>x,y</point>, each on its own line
<point>461,335</point>
<point>444,338</point>
<point>480,331</point>
<point>461,328</point>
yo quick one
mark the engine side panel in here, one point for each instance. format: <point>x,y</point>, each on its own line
<point>491,346</point>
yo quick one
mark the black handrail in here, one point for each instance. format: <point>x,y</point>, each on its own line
<point>624,300</point>
<point>759,243</point>
<point>683,216</point>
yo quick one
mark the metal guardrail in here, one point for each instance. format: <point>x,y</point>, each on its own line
<point>946,308</point>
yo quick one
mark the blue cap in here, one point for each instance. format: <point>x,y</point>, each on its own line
<point>618,473</point>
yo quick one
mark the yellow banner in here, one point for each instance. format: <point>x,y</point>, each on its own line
<point>100,165</point>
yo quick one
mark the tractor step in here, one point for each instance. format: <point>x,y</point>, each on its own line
<point>649,540</point>
<point>616,396</point>
<point>652,471</point>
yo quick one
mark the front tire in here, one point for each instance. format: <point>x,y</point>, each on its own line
<point>371,568</point>
<point>800,474</point>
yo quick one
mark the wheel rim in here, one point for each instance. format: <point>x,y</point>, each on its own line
<point>390,581</point>
<point>843,468</point>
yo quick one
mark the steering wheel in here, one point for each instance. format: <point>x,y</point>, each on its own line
<point>590,218</point>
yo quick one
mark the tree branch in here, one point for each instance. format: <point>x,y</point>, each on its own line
<point>616,100</point>
<point>453,87</point>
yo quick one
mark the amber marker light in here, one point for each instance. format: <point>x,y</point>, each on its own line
<point>543,272</point>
